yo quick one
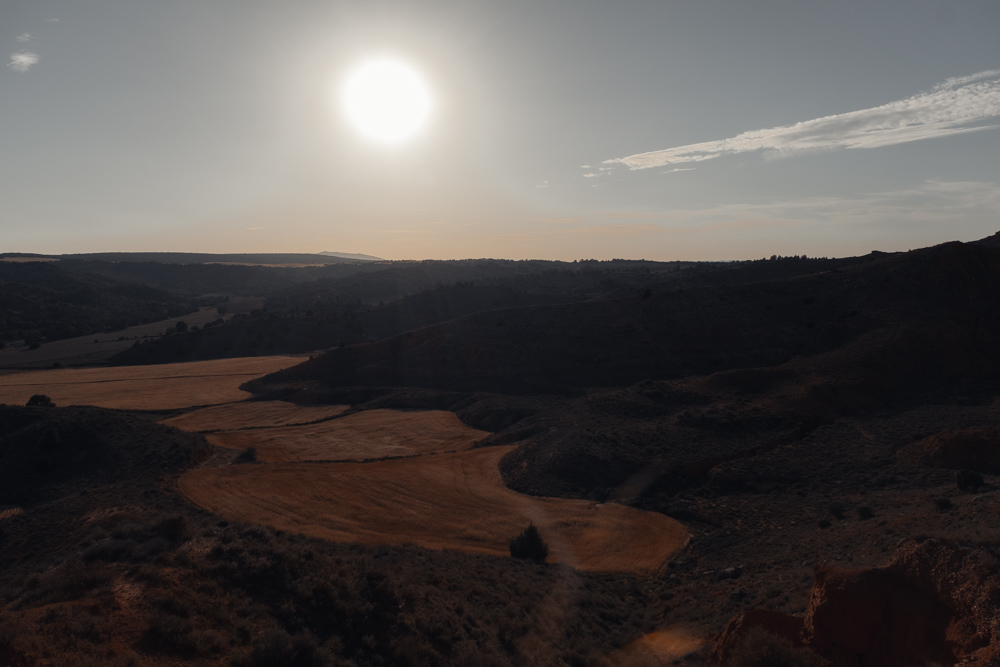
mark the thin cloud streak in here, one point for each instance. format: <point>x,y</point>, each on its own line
<point>22,62</point>
<point>952,107</point>
<point>23,37</point>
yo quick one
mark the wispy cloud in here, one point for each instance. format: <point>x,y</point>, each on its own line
<point>253,229</point>
<point>22,62</point>
<point>52,20</point>
<point>23,37</point>
<point>955,106</point>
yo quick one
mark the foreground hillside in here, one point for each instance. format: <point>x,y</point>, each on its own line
<point>104,562</point>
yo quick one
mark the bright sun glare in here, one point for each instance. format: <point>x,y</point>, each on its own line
<point>386,100</point>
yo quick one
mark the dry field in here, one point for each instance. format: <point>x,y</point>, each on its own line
<point>166,386</point>
<point>438,501</point>
<point>363,435</point>
<point>255,414</point>
<point>442,495</point>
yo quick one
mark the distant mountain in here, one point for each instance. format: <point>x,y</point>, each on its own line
<point>352,255</point>
<point>262,259</point>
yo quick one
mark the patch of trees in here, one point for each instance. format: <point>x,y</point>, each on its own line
<point>41,302</point>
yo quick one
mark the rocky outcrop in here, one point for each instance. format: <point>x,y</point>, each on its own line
<point>970,449</point>
<point>934,603</point>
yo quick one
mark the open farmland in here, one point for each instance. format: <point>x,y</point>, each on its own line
<point>362,435</point>
<point>256,414</point>
<point>442,501</point>
<point>162,387</point>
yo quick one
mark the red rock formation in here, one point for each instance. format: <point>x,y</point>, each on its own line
<point>774,623</point>
<point>934,603</point>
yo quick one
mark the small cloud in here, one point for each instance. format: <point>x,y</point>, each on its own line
<point>591,175</point>
<point>585,166</point>
<point>543,184</point>
<point>52,20</point>
<point>22,62</point>
<point>23,37</point>
<point>676,169</point>
<point>253,229</point>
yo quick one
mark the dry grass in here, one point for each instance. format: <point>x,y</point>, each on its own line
<point>445,501</point>
<point>255,414</point>
<point>165,386</point>
<point>363,435</point>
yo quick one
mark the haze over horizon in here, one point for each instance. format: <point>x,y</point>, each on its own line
<point>557,130</point>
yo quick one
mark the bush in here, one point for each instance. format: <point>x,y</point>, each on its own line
<point>968,481</point>
<point>761,649</point>
<point>529,544</point>
<point>40,400</point>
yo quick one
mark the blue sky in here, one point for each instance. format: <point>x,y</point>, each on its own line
<point>663,130</point>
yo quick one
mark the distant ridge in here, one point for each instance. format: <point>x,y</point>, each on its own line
<point>989,241</point>
<point>213,258</point>
<point>352,255</point>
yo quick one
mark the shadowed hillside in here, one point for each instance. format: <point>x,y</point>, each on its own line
<point>41,301</point>
<point>947,291</point>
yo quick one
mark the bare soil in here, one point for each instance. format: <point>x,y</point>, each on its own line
<point>660,647</point>
<point>363,435</point>
<point>256,414</point>
<point>444,501</point>
<point>162,387</point>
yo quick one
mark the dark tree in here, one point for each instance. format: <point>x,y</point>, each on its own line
<point>181,326</point>
<point>529,544</point>
<point>40,400</point>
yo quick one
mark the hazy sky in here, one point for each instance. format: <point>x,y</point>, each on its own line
<point>565,130</point>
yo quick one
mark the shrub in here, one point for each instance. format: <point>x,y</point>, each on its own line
<point>529,544</point>
<point>865,513</point>
<point>41,401</point>
<point>761,649</point>
<point>50,440</point>
<point>968,481</point>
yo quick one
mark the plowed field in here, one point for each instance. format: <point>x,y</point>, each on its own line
<point>255,414</point>
<point>363,435</point>
<point>165,386</point>
<point>442,501</point>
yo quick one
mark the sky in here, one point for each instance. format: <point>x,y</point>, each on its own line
<point>670,130</point>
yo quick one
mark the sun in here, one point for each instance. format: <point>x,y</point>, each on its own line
<point>386,100</point>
